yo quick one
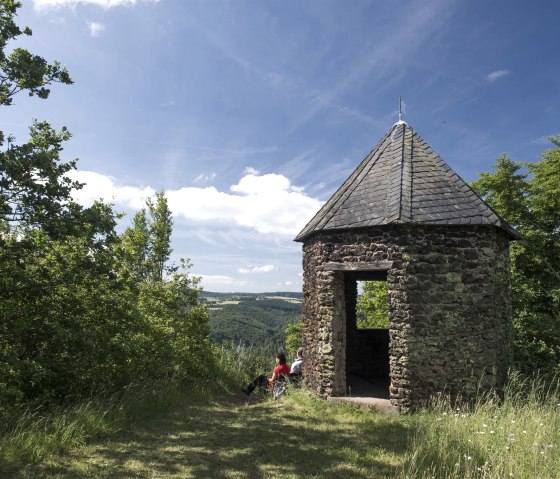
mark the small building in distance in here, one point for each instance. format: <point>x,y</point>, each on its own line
<point>405,217</point>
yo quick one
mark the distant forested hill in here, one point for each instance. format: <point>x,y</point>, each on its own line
<point>252,318</point>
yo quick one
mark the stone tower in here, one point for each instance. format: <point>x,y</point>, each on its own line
<point>405,217</point>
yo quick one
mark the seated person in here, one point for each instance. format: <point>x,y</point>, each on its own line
<point>263,381</point>
<point>295,370</point>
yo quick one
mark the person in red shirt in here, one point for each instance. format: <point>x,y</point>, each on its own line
<point>281,370</point>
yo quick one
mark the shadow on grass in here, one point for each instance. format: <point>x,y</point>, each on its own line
<point>272,440</point>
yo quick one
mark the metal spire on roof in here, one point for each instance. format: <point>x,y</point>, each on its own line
<point>401,121</point>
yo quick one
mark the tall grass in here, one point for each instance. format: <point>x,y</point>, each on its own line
<point>518,437</point>
<point>34,435</point>
<point>239,364</point>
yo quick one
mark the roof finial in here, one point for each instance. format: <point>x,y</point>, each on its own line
<point>401,121</point>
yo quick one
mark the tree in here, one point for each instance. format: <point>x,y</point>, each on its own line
<point>21,70</point>
<point>52,251</point>
<point>146,245</point>
<point>33,188</point>
<point>161,225</point>
<point>528,196</point>
<point>83,310</point>
<point>505,189</point>
<point>134,247</point>
<point>174,337</point>
<point>372,306</point>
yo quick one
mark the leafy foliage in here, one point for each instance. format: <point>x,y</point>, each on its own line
<point>528,196</point>
<point>21,70</point>
<point>83,309</point>
<point>294,337</point>
<point>372,306</point>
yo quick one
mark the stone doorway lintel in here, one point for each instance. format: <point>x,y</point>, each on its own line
<point>362,267</point>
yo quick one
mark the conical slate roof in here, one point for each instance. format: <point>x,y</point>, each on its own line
<point>403,180</point>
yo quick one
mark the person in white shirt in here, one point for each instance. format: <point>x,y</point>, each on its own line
<point>297,364</point>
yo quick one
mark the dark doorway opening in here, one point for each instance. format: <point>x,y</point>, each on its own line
<point>367,345</point>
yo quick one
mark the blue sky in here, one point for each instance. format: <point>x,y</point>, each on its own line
<point>250,113</point>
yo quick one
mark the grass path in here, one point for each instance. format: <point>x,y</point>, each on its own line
<point>296,437</point>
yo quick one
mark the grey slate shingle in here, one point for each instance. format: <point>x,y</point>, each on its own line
<point>403,180</point>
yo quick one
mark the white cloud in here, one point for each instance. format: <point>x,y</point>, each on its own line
<point>95,28</point>
<point>101,186</point>
<point>264,203</point>
<point>492,77</point>
<point>267,268</point>
<point>251,171</point>
<point>46,4</point>
<point>267,203</point>
<point>202,178</point>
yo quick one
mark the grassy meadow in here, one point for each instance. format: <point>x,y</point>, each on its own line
<point>226,435</point>
<point>234,437</point>
<point>211,430</point>
<point>518,437</point>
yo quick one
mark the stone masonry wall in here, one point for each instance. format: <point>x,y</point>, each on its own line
<point>449,309</point>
